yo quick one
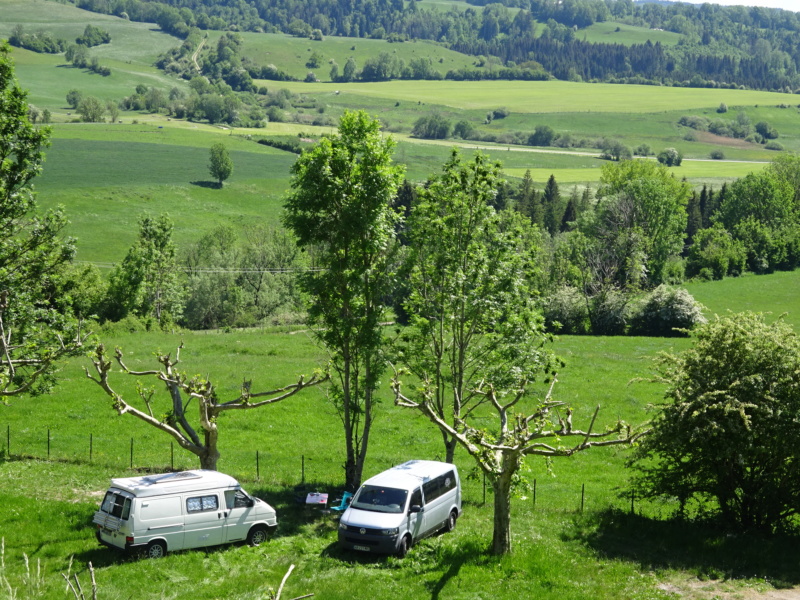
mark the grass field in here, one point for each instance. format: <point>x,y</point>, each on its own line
<point>610,32</point>
<point>559,551</point>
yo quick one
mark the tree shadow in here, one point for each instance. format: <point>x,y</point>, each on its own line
<point>699,547</point>
<point>213,185</point>
<point>294,515</point>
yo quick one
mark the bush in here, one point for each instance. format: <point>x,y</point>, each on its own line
<point>717,155</point>
<point>774,146</point>
<point>714,254</point>
<point>670,157</point>
<point>565,312</point>
<point>664,312</point>
<point>608,313</point>
<point>731,407</point>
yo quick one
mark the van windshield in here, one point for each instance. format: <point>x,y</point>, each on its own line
<point>380,499</point>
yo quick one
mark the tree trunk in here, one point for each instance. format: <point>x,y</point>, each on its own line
<point>208,459</point>
<point>450,444</point>
<point>501,539</point>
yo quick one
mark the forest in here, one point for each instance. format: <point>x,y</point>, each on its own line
<point>720,46</point>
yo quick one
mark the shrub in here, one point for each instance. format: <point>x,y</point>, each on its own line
<point>714,254</point>
<point>723,108</point>
<point>608,313</point>
<point>717,155</point>
<point>643,150</point>
<point>774,146</point>
<point>664,312</point>
<point>565,312</point>
<point>670,157</point>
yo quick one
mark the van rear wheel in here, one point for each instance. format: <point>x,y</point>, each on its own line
<point>257,536</point>
<point>450,524</point>
<point>156,549</point>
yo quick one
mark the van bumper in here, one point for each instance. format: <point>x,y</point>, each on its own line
<point>380,544</point>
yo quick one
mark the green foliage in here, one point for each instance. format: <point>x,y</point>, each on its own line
<point>93,36</point>
<point>670,157</point>
<point>91,110</point>
<point>542,136</point>
<point>432,127</point>
<point>666,312</point>
<point>220,164</point>
<point>762,196</point>
<point>33,253</point>
<point>146,282</point>
<point>340,206</point>
<point>732,402</point>
<point>714,253</point>
<point>565,311</point>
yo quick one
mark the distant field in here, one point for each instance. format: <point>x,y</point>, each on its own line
<point>290,53</point>
<point>610,32</point>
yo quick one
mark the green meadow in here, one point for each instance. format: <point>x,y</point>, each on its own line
<point>576,538</point>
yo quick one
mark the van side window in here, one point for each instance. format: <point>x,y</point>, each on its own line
<point>236,499</point>
<point>438,486</point>
<point>116,505</point>
<point>202,503</point>
<point>416,497</point>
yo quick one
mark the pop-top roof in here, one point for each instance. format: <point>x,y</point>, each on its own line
<point>166,483</point>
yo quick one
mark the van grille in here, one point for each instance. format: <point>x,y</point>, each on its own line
<point>367,530</point>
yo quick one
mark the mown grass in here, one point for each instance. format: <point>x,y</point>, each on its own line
<point>559,551</point>
<point>611,32</point>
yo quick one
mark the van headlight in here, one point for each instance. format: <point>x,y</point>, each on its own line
<point>342,525</point>
<point>393,531</point>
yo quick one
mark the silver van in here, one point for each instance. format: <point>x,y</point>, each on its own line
<point>394,509</point>
<point>174,511</point>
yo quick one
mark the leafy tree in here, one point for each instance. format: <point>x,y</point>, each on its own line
<point>614,150</point>
<point>464,130</point>
<point>764,196</point>
<point>146,282</point>
<point>543,135</point>
<point>731,406</point>
<point>349,72</point>
<point>220,164</point>
<point>670,157</point>
<point>34,334</point>
<point>182,390</point>
<point>91,110</point>
<point>464,280</point>
<point>74,98</point>
<point>431,127</point>
<point>112,108</point>
<point>340,206</point>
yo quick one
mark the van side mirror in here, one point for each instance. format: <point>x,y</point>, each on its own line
<point>415,508</point>
<point>251,503</point>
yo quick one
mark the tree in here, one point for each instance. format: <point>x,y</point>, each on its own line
<point>146,282</point>
<point>91,110</point>
<point>340,206</point>
<point>465,264</point>
<point>220,164</point>
<point>731,406</point>
<point>349,72</point>
<point>34,334</point>
<point>765,196</point>
<point>500,452</point>
<point>74,98</point>
<point>112,108</point>
<point>181,391</point>
<point>543,135</point>
<point>431,127</point>
<point>670,157</point>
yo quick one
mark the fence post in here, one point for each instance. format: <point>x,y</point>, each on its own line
<point>534,492</point>
<point>8,441</point>
<point>583,494</point>
<point>303,469</point>
<point>48,443</point>
<point>172,455</point>
<point>484,487</point>
<point>131,453</point>
<point>632,496</point>
<point>91,446</point>
<point>258,466</point>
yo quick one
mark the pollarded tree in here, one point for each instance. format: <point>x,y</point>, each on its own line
<point>220,164</point>
<point>725,431</point>
<point>539,430</point>
<point>340,206</point>
<point>181,391</point>
<point>33,252</point>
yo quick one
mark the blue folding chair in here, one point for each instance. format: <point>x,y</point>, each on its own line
<point>343,503</point>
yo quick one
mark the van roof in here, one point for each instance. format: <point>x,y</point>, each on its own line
<point>170,483</point>
<point>410,474</point>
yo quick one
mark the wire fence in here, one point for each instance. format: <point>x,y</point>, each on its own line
<point>273,467</point>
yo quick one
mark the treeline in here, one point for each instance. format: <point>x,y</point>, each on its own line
<point>722,46</point>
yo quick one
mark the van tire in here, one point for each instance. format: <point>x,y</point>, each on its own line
<point>156,549</point>
<point>450,524</point>
<point>405,544</point>
<point>257,535</point>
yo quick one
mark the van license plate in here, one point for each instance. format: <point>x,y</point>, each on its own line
<point>362,548</point>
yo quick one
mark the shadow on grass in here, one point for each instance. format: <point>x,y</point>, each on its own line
<point>212,185</point>
<point>294,515</point>
<point>701,548</point>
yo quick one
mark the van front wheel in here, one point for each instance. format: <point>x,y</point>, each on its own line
<point>156,549</point>
<point>257,536</point>
<point>405,544</point>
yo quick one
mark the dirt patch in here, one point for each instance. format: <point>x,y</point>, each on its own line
<point>712,138</point>
<point>727,590</point>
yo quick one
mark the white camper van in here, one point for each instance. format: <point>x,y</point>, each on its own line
<point>173,511</point>
<point>396,508</point>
